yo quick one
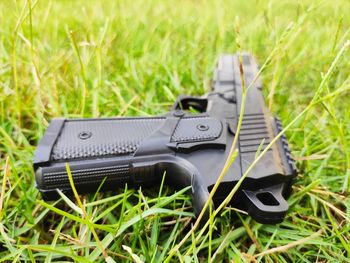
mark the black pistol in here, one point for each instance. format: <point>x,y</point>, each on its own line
<point>190,149</point>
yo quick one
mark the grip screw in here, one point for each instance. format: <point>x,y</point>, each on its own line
<point>84,135</point>
<point>202,127</point>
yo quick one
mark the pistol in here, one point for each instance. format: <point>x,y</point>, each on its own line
<point>189,148</point>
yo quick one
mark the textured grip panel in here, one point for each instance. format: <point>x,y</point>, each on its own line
<point>105,137</point>
<point>197,129</point>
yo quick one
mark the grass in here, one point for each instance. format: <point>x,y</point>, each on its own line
<point>121,58</point>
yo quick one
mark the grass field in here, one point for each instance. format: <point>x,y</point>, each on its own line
<point>120,58</point>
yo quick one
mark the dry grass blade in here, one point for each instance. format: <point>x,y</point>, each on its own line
<point>4,180</point>
<point>69,238</point>
<point>311,157</point>
<point>289,246</point>
<point>3,233</point>
<point>135,257</point>
<point>331,206</point>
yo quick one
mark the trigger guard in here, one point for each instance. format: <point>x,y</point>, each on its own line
<point>185,102</point>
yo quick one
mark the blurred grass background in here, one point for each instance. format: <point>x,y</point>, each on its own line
<point>120,58</point>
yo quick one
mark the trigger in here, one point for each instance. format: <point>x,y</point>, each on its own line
<point>231,127</point>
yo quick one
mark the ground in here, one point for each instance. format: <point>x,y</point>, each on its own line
<point>128,58</point>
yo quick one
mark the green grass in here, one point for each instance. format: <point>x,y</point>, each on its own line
<point>120,58</point>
